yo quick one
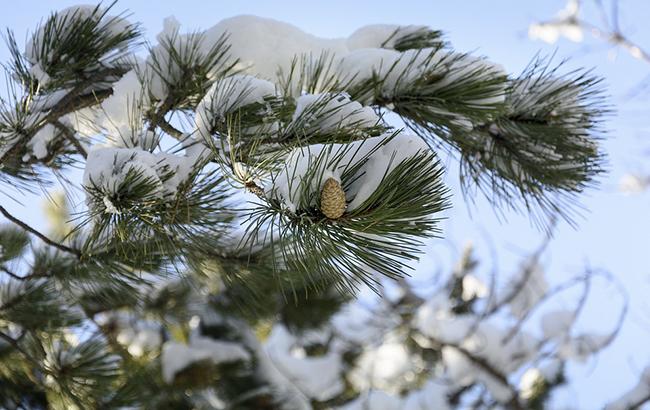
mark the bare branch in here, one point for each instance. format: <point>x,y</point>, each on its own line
<point>42,237</point>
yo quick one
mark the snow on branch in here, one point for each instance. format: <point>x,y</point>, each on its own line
<point>419,350</point>
<point>77,44</point>
<point>172,141</point>
<point>384,182</point>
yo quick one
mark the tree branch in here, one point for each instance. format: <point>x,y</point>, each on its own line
<point>485,366</point>
<point>170,129</point>
<point>12,274</point>
<point>42,237</point>
<point>157,119</point>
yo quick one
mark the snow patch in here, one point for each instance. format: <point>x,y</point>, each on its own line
<point>317,377</point>
<point>228,95</point>
<point>39,142</point>
<point>328,112</point>
<point>178,356</point>
<point>306,169</point>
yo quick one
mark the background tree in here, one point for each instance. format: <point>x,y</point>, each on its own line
<point>241,183</point>
<point>571,23</point>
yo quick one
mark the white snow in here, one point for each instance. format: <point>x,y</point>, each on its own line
<point>328,112</point>
<point>121,111</point>
<point>43,102</point>
<point>400,69</point>
<point>39,74</point>
<point>39,142</point>
<point>317,377</point>
<point>581,347</point>
<point>362,64</point>
<point>384,367</point>
<point>228,95</point>
<point>436,320</point>
<point>177,168</point>
<point>458,368</point>
<point>265,46</point>
<point>290,183</point>
<point>141,339</point>
<point>107,168</point>
<point>433,395</point>
<point>162,70</point>
<point>355,324</point>
<point>178,356</point>
<point>529,382</point>
<point>552,369</point>
<point>381,35</point>
<point>473,288</point>
<point>477,337</point>
<point>382,162</point>
<point>463,372</point>
<point>551,32</point>
<point>633,184</point>
<point>564,25</point>
<point>321,162</point>
<point>488,343</point>
<point>112,24</point>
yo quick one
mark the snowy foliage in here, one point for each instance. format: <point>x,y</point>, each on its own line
<point>177,356</point>
<point>203,269</point>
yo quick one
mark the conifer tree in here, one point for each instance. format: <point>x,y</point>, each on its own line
<point>242,183</point>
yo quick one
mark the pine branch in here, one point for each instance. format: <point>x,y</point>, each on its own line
<point>369,237</point>
<point>419,39</point>
<point>76,45</point>
<point>187,65</point>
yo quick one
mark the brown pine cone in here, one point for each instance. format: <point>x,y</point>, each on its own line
<point>332,199</point>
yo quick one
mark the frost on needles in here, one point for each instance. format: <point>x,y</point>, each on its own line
<point>219,151</point>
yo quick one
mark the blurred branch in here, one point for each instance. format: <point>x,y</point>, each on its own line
<point>608,31</point>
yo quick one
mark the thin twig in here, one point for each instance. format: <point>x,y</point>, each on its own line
<point>157,119</point>
<point>488,368</point>
<point>610,32</point>
<point>12,274</point>
<point>170,129</point>
<point>42,237</point>
<point>70,136</point>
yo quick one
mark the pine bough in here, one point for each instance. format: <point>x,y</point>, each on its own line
<point>265,163</point>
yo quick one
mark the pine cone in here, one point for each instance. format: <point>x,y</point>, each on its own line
<point>255,189</point>
<point>332,199</point>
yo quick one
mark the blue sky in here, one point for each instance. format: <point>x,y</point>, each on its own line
<point>615,232</point>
